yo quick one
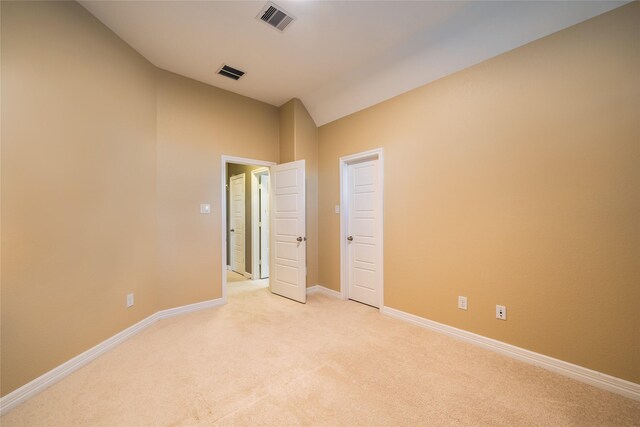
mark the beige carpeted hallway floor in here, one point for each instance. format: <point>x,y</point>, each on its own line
<point>266,360</point>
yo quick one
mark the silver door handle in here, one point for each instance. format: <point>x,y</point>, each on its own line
<point>232,230</point>
<point>350,238</point>
<point>300,239</point>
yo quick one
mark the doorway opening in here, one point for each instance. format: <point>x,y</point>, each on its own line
<point>245,210</point>
<point>361,227</point>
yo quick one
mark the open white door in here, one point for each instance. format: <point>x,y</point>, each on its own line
<point>287,272</point>
<point>236,223</point>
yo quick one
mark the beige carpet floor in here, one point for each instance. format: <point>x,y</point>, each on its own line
<point>232,276</point>
<point>266,360</point>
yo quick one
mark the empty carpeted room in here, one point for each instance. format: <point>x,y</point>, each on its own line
<point>325,213</point>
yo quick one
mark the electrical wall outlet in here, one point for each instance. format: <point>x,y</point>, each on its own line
<point>501,312</point>
<point>129,300</point>
<point>462,303</point>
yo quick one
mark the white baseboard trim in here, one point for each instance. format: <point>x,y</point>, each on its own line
<point>46,380</point>
<point>321,289</point>
<point>189,308</point>
<point>585,375</point>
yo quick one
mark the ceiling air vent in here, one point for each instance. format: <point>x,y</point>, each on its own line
<point>275,16</point>
<point>232,73</point>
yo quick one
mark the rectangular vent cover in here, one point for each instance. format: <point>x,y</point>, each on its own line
<point>232,73</point>
<point>275,16</point>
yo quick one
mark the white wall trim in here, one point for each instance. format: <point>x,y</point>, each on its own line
<point>46,380</point>
<point>344,162</point>
<point>190,308</point>
<point>319,289</point>
<point>585,375</point>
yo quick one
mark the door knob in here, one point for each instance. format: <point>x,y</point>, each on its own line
<point>299,239</point>
<point>350,238</point>
<point>232,230</point>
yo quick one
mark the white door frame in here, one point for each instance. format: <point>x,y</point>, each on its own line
<point>223,203</point>
<point>375,154</point>
<point>255,230</point>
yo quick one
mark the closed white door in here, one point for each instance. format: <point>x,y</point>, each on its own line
<point>288,241</point>
<point>237,223</point>
<point>364,215</point>
<point>264,225</point>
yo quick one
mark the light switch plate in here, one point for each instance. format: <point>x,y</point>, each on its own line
<point>205,208</point>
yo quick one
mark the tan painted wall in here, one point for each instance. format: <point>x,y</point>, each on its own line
<point>299,141</point>
<point>287,132</point>
<point>306,148</point>
<point>197,124</point>
<point>514,182</point>
<point>78,186</point>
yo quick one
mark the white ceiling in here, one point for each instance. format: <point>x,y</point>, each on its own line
<point>338,57</point>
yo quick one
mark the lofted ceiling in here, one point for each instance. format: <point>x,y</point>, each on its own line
<point>338,57</point>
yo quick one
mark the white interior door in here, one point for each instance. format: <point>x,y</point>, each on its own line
<point>363,232</point>
<point>264,225</point>
<point>237,223</point>
<point>288,241</point>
